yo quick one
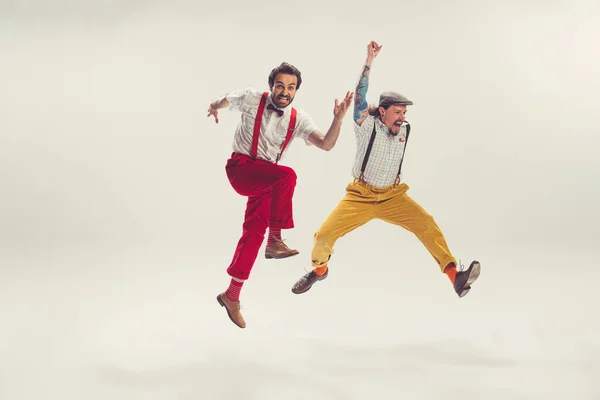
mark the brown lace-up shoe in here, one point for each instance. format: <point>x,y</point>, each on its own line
<point>303,284</point>
<point>279,250</point>
<point>233,310</point>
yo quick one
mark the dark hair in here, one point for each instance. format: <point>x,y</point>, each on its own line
<point>374,110</point>
<point>285,68</point>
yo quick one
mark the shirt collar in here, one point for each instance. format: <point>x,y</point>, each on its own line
<point>382,125</point>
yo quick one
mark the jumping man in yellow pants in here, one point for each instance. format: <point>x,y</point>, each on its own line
<point>377,193</point>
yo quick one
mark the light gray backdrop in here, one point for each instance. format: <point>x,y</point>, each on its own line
<point>117,221</point>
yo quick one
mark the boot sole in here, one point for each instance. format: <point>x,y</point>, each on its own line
<point>228,313</point>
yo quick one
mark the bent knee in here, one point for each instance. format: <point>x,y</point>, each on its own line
<point>322,239</point>
<point>427,224</point>
<point>288,174</point>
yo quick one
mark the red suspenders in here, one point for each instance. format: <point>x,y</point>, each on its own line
<point>290,132</point>
<point>259,114</point>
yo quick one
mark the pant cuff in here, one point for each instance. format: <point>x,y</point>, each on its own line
<point>447,261</point>
<point>289,224</point>
<point>238,274</point>
<point>320,263</point>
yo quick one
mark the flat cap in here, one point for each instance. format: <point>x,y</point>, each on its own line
<point>393,98</point>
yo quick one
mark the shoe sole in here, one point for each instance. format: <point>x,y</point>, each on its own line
<point>268,257</point>
<point>228,313</point>
<point>304,291</point>
<point>475,271</point>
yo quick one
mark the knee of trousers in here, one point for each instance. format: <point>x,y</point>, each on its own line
<point>426,225</point>
<point>290,175</point>
<point>322,244</point>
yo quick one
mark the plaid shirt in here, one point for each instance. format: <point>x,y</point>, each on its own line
<point>386,153</point>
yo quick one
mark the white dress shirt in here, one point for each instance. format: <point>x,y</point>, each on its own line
<point>273,128</point>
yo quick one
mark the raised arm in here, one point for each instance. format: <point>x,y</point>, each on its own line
<point>361,106</point>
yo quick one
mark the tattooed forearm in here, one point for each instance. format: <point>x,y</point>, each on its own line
<point>360,97</point>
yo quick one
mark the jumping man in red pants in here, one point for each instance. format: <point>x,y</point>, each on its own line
<point>268,124</point>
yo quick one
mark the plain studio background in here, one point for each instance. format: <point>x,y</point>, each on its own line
<point>117,221</point>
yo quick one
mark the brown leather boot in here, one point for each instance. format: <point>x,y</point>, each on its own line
<point>279,250</point>
<point>233,310</point>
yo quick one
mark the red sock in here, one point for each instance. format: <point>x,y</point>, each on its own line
<point>450,270</point>
<point>233,291</point>
<point>274,236</point>
<point>320,271</point>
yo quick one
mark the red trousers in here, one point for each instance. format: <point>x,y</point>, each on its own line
<point>269,188</point>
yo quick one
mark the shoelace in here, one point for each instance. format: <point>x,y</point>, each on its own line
<point>282,241</point>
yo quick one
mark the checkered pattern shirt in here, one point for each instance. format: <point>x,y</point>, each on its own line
<point>386,153</point>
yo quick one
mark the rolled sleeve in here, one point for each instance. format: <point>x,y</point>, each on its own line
<point>366,127</point>
<point>243,99</point>
<point>305,127</point>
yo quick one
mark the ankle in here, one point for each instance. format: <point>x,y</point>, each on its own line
<point>450,271</point>
<point>274,236</point>
<point>320,271</point>
<point>234,289</point>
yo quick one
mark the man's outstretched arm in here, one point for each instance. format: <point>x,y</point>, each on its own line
<point>361,106</point>
<point>215,106</point>
<point>327,141</point>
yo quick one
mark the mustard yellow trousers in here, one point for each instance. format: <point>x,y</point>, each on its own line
<point>364,203</point>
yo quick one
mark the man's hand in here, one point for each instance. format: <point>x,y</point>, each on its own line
<point>373,50</point>
<point>327,142</point>
<point>213,109</point>
<point>340,109</point>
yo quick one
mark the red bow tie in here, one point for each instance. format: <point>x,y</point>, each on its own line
<point>277,110</point>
